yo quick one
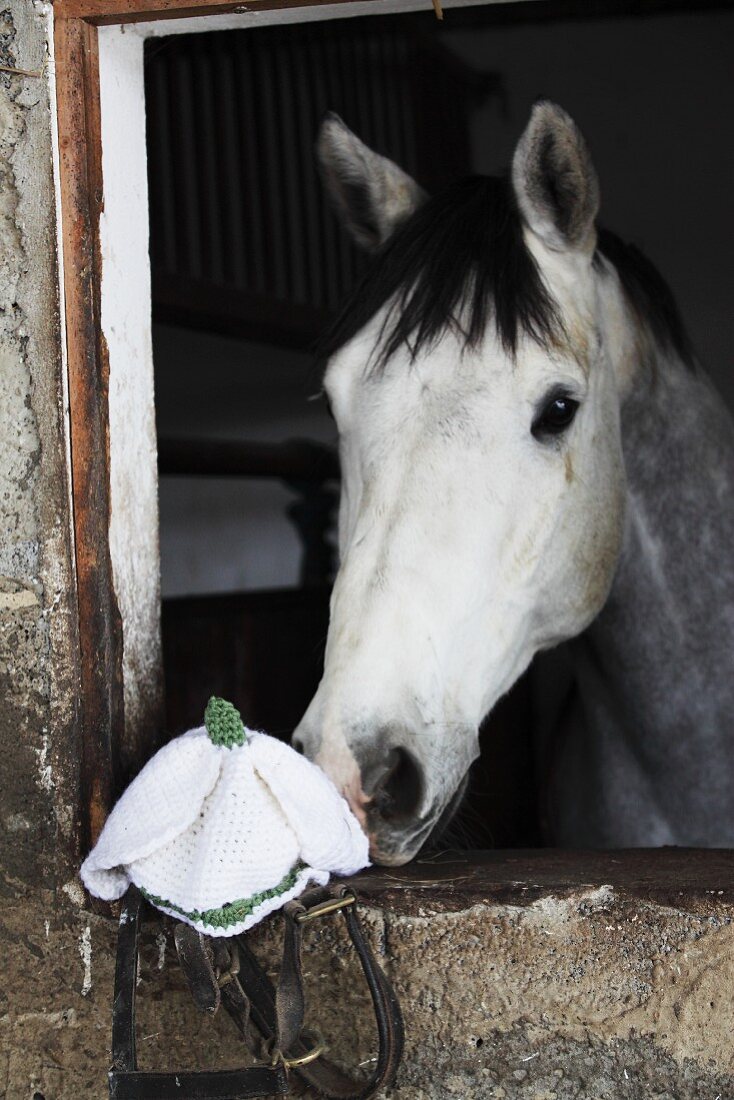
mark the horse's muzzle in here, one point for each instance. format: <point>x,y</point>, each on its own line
<point>394,838</point>
<point>406,792</point>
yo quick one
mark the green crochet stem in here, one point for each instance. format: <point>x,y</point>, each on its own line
<point>224,723</point>
<point>235,911</point>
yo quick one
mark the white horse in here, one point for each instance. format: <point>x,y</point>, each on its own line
<point>529,455</point>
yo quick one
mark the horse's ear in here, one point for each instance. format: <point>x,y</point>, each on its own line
<point>554,180</point>
<point>371,194</point>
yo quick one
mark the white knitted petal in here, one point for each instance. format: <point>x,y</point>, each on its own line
<point>239,844</point>
<point>160,804</point>
<point>328,832</point>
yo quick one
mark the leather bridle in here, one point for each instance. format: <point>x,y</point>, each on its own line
<point>224,971</point>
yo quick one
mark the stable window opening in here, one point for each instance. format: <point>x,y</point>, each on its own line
<point>235,327</point>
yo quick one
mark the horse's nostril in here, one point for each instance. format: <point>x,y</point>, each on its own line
<point>398,793</point>
<point>297,744</point>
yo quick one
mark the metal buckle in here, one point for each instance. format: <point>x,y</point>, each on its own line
<point>318,1048</point>
<point>323,908</point>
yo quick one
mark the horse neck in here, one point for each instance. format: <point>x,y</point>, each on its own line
<point>641,753</point>
<point>665,636</point>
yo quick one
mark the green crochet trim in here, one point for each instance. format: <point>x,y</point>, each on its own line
<point>234,911</point>
<point>224,723</point>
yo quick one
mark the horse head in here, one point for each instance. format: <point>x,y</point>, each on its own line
<point>475,379</point>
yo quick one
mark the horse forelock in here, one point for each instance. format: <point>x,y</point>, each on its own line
<point>459,264</point>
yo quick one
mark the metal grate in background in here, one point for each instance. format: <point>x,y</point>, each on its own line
<point>241,236</point>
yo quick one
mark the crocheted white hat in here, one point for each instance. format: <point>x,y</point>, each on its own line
<point>223,826</point>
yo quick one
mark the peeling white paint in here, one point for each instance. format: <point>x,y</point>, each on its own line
<point>160,941</point>
<point>74,893</point>
<point>45,776</point>
<point>85,951</point>
<point>126,323</point>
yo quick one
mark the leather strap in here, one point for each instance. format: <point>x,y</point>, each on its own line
<point>225,971</point>
<point>278,1015</point>
<point>325,1078</point>
<point>211,967</point>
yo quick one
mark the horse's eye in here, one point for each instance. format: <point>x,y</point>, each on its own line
<point>555,416</point>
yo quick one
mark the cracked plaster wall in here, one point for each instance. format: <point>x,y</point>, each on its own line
<point>37,643</point>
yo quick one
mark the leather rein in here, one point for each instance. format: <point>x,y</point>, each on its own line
<point>224,972</point>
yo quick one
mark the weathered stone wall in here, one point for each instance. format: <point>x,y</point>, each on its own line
<point>611,985</point>
<point>37,646</point>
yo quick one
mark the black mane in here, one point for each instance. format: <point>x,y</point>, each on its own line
<point>649,295</point>
<point>461,262</point>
